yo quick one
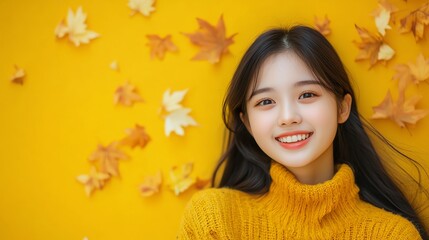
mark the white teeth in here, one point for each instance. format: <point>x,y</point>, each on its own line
<point>293,138</point>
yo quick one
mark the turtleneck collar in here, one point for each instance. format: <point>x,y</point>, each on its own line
<point>290,198</point>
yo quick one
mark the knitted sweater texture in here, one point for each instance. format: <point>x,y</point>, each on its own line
<point>292,210</point>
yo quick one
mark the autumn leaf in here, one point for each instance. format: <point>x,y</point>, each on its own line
<point>412,72</point>
<point>18,76</point>
<point>114,66</point>
<point>127,95</point>
<point>171,101</point>
<point>372,47</point>
<point>420,70</point>
<point>145,7</point>
<point>211,39</point>
<point>201,183</point>
<point>75,28</point>
<point>136,136</point>
<point>322,25</point>
<point>108,157</point>
<point>401,112</point>
<point>151,185</point>
<point>158,46</point>
<point>94,180</point>
<point>416,21</point>
<point>180,178</point>
<point>382,16</point>
<point>176,120</point>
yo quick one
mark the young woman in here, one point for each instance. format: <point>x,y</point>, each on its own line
<point>299,163</point>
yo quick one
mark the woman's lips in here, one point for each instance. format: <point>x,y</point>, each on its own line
<point>294,140</point>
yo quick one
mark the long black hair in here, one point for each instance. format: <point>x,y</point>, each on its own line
<point>247,166</point>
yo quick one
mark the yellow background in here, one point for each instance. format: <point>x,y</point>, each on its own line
<point>51,124</point>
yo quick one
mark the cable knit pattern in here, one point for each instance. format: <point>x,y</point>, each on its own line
<point>292,210</point>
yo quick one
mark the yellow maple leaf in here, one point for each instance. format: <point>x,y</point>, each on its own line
<point>180,178</point>
<point>382,16</point>
<point>211,39</point>
<point>127,95</point>
<point>94,180</point>
<point>401,112</point>
<point>136,136</point>
<point>416,21</point>
<point>372,47</point>
<point>108,157</point>
<point>151,185</point>
<point>18,76</point>
<point>145,7</point>
<point>158,46</point>
<point>420,70</point>
<point>322,25</point>
<point>75,28</point>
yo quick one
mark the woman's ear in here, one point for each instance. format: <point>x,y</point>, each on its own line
<point>245,121</point>
<point>345,108</point>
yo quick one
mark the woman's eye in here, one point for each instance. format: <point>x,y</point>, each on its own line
<point>265,102</point>
<point>307,95</point>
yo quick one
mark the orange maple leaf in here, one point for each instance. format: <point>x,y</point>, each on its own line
<point>401,111</point>
<point>127,95</point>
<point>158,46</point>
<point>94,180</point>
<point>322,25</point>
<point>372,47</point>
<point>211,40</point>
<point>151,185</point>
<point>18,76</point>
<point>137,136</point>
<point>416,21</point>
<point>412,73</point>
<point>108,157</point>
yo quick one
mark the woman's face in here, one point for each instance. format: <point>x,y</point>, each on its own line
<point>291,116</point>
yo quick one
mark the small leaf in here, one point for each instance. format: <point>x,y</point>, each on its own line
<point>176,120</point>
<point>145,7</point>
<point>180,178</point>
<point>159,46</point>
<point>18,76</point>
<point>382,16</point>
<point>172,101</point>
<point>420,70</point>
<point>75,28</point>
<point>373,47</point>
<point>151,185</point>
<point>114,65</point>
<point>108,157</point>
<point>416,21</point>
<point>401,111</point>
<point>93,181</point>
<point>136,136</point>
<point>211,39</point>
<point>127,95</point>
<point>322,25</point>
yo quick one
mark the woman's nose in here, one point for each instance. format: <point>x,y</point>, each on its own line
<point>289,115</point>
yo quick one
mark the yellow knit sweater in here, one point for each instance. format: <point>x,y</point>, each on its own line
<point>292,210</point>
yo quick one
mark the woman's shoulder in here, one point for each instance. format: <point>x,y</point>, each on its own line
<point>216,197</point>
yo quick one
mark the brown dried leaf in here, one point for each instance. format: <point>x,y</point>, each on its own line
<point>420,70</point>
<point>211,39</point>
<point>373,47</point>
<point>158,46</point>
<point>108,158</point>
<point>382,15</point>
<point>127,95</point>
<point>137,136</point>
<point>401,111</point>
<point>94,180</point>
<point>416,21</point>
<point>18,76</point>
<point>322,25</point>
<point>151,185</point>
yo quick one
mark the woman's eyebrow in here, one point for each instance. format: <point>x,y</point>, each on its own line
<point>297,84</point>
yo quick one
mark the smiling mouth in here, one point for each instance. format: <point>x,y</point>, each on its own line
<point>294,138</point>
